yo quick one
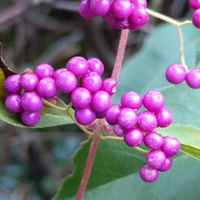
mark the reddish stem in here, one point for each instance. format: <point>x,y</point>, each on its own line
<point>88,167</point>
<point>120,54</point>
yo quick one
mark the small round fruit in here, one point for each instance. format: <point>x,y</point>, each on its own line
<point>134,137</point>
<point>101,102</point>
<point>153,140</point>
<point>148,174</point>
<point>100,7</point>
<point>13,84</point>
<point>147,121</point>
<point>31,102</point>
<point>78,66</point>
<point>176,73</point>
<point>170,146</point>
<point>196,18</point>
<point>164,117</point>
<point>127,118</point>
<point>153,101</point>
<point>156,159</point>
<point>29,82</point>
<point>167,165</point>
<point>30,118</point>
<point>193,78</point>
<point>131,100</point>
<point>81,98</point>
<point>85,116</point>
<point>13,103</point>
<point>118,130</point>
<point>111,20</point>
<point>44,70</point>
<point>139,3</point>
<point>95,65</point>
<point>58,72</point>
<point>109,85</point>
<point>195,4</point>
<point>112,114</point>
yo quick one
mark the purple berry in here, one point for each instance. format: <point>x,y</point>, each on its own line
<point>196,18</point>
<point>139,17</point>
<point>121,8</point>
<point>100,7</point>
<point>176,73</point>
<point>111,20</point>
<point>109,85</point>
<point>139,3</point>
<point>66,82</point>
<point>122,23</point>
<point>134,137</point>
<point>193,78</point>
<point>95,65</point>
<point>170,146</point>
<point>195,4</point>
<point>147,121</point>
<point>85,116</point>
<point>153,140</point>
<point>30,118</point>
<point>13,84</point>
<point>85,11</point>
<point>164,117</point>
<point>153,101</point>
<point>167,165</point>
<point>13,103</point>
<point>44,70</point>
<point>148,174</point>
<point>156,159</point>
<point>127,118</point>
<point>81,98</point>
<point>92,81</point>
<point>58,72</point>
<point>29,82</point>
<point>78,66</point>
<point>101,101</point>
<point>47,88</point>
<point>118,130</point>
<point>131,100</point>
<point>100,115</point>
<point>31,102</point>
<point>112,114</point>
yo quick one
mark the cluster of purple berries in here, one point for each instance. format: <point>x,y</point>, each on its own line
<point>195,5</point>
<point>177,73</point>
<point>119,14</point>
<point>137,128</point>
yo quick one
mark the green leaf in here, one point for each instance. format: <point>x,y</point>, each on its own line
<point>198,53</point>
<point>192,151</point>
<point>115,176</point>
<point>50,117</point>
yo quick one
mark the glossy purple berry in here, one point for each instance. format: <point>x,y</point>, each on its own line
<point>170,146</point>
<point>81,98</point>
<point>196,18</point>
<point>112,114</point>
<point>30,118</point>
<point>195,4</point>
<point>13,84</point>
<point>156,159</point>
<point>121,9</point>
<point>47,88</point>
<point>66,82</point>
<point>139,17</point>
<point>111,20</point>
<point>101,101</point>
<point>92,81</point>
<point>85,116</point>
<point>148,174</point>
<point>167,165</point>
<point>127,118</point>
<point>153,101</point>
<point>31,102</point>
<point>29,82</point>
<point>164,117</point>
<point>193,78</point>
<point>122,23</point>
<point>131,100</point>
<point>58,72</point>
<point>78,66</point>
<point>134,137</point>
<point>85,10</point>
<point>95,65</point>
<point>13,103</point>
<point>118,130</point>
<point>100,7</point>
<point>44,70</point>
<point>139,3</point>
<point>153,140</point>
<point>147,121</point>
<point>176,73</point>
<point>109,85</point>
